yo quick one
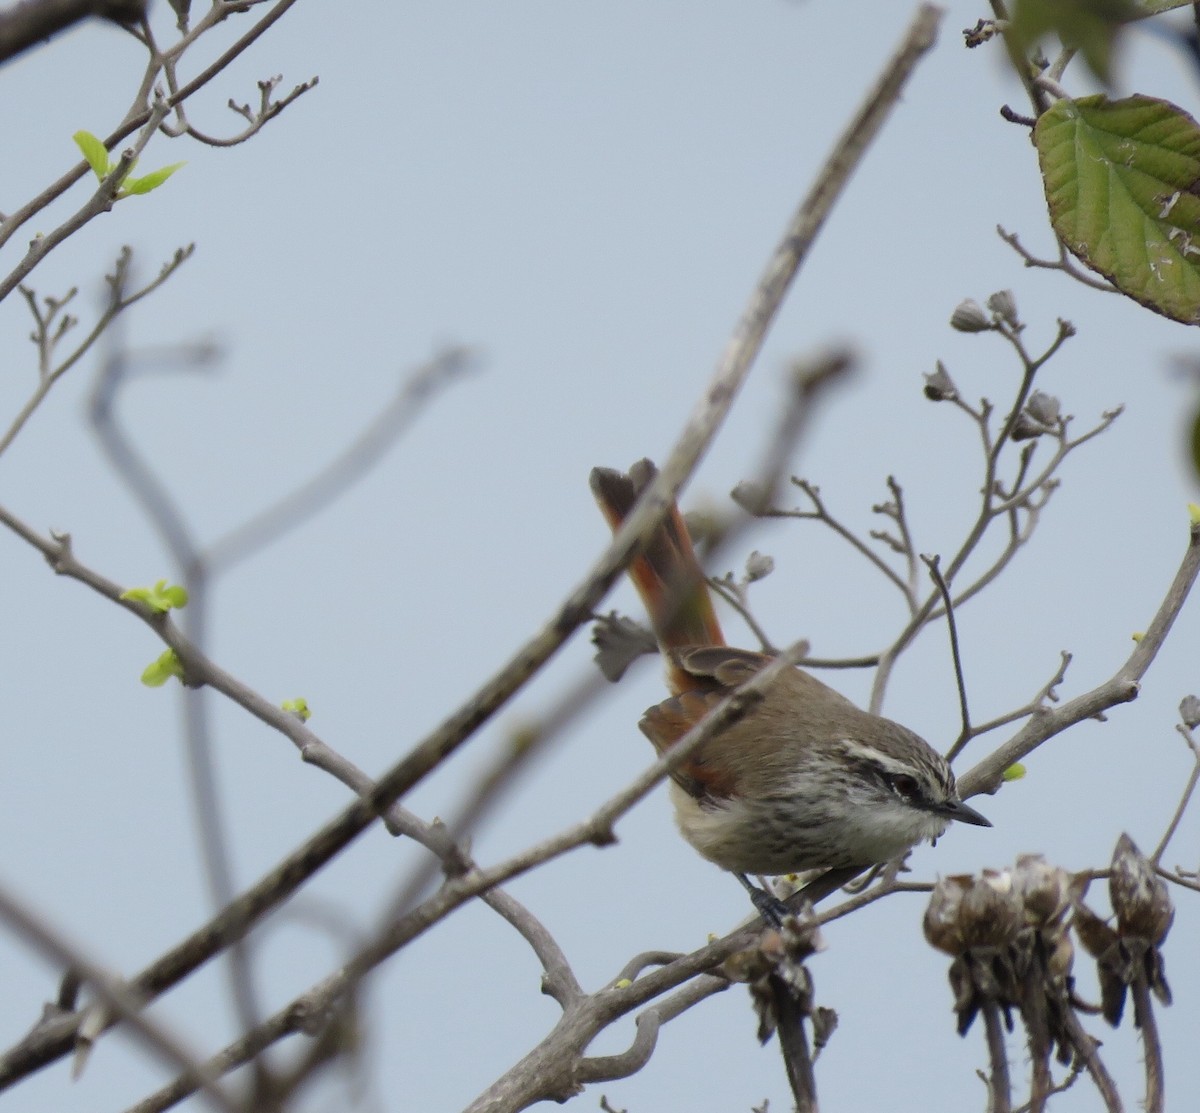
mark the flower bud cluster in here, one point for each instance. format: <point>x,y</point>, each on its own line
<point>1040,415</point>
<point>970,316</point>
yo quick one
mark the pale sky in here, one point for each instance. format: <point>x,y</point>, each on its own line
<point>585,195</point>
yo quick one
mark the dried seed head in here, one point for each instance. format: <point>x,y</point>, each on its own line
<point>966,912</point>
<point>759,566</point>
<point>1043,407</point>
<point>1025,428</point>
<point>939,387</point>
<point>1139,897</point>
<point>1097,937</point>
<point>942,913</point>
<point>992,911</point>
<point>1004,305</point>
<point>1045,891</point>
<point>1060,958</point>
<point>619,641</point>
<point>750,496</point>
<point>968,316</point>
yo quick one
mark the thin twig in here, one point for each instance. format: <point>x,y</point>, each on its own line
<point>1087,1050</point>
<point>50,375</point>
<point>1048,692</point>
<point>355,460</point>
<point>1064,262</point>
<point>1184,800</point>
<point>935,572</point>
<point>735,596</point>
<point>789,1014</point>
<point>821,513</point>
<point>118,1000</point>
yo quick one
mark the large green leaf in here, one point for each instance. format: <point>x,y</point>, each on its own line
<point>1123,185</point>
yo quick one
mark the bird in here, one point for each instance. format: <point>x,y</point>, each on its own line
<point>804,779</point>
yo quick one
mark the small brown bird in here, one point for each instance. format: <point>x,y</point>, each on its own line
<point>804,779</point>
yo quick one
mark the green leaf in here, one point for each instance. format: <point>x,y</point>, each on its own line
<point>1195,453</point>
<point>161,669</point>
<point>1122,182</point>
<point>95,153</point>
<point>1145,8</point>
<point>1014,772</point>
<point>150,181</point>
<point>298,707</point>
<point>161,597</point>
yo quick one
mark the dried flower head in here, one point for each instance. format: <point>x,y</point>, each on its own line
<point>1043,407</point>
<point>1045,891</point>
<point>1140,897</point>
<point>1004,305</point>
<point>759,566</point>
<point>939,387</point>
<point>969,316</point>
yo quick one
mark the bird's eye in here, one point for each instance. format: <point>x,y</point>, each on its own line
<point>905,787</point>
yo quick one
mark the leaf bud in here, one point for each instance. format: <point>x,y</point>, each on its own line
<point>1189,712</point>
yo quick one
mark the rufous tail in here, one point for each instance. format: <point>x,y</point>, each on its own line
<point>667,575</point>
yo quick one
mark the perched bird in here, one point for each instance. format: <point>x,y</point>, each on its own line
<point>804,779</point>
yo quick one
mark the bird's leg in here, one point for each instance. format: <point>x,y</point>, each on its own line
<point>768,906</point>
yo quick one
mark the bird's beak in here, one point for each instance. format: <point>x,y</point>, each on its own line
<point>964,813</point>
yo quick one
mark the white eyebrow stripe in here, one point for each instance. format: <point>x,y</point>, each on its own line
<point>861,750</point>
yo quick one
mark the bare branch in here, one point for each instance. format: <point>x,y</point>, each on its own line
<point>999,1084</point>
<point>33,21</point>
<point>1122,687</point>
<point>1063,263</point>
<point>118,1000</point>
<point>1184,799</point>
<point>46,341</point>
